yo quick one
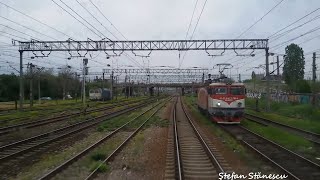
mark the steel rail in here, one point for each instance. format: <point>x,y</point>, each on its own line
<point>291,156</point>
<point>95,172</point>
<point>44,108</point>
<point>17,127</point>
<point>311,136</point>
<point>67,163</point>
<point>176,144</point>
<point>212,157</point>
<point>91,122</point>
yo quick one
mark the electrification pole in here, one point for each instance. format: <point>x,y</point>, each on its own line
<point>314,76</point>
<point>111,85</point>
<point>21,93</point>
<point>31,84</point>
<point>268,80</point>
<point>85,62</point>
<point>278,78</point>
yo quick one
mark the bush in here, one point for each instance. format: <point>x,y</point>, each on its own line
<point>302,86</point>
<point>98,156</point>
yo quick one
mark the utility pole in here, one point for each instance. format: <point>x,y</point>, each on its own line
<point>239,78</point>
<point>116,88</point>
<point>314,77</point>
<point>84,72</point>
<point>31,84</point>
<point>268,80</point>
<point>102,80</point>
<point>111,85</point>
<point>21,92</point>
<point>39,78</point>
<point>278,78</point>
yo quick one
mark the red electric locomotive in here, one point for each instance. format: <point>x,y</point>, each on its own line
<point>223,102</point>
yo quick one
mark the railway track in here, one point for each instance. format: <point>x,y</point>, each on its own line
<point>11,153</point>
<point>311,136</point>
<point>48,111</point>
<point>292,164</point>
<point>193,157</point>
<point>18,127</point>
<point>59,169</point>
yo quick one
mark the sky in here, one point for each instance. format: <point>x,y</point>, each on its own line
<point>160,20</point>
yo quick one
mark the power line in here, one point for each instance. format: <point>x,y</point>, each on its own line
<point>34,19</point>
<point>256,22</point>
<point>95,18</point>
<point>194,31</point>
<point>260,18</point>
<point>294,22</point>
<point>194,9</point>
<point>108,20</point>
<point>27,27</point>
<point>75,17</point>
<point>17,30</point>
<point>12,35</point>
<point>130,58</point>
<point>301,35</point>
<point>283,43</point>
<point>198,19</point>
<point>292,29</point>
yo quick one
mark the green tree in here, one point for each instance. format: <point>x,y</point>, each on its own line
<point>293,69</point>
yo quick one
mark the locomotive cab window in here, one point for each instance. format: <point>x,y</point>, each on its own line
<point>237,90</point>
<point>219,90</point>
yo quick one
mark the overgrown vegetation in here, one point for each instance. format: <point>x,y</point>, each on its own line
<point>288,140</point>
<point>304,116</point>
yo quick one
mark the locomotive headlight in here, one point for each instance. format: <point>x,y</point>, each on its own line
<point>218,104</point>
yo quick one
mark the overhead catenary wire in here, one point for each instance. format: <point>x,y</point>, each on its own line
<point>260,19</point>
<point>34,19</point>
<point>95,18</point>
<point>30,28</point>
<point>256,22</point>
<point>190,23</point>
<point>297,37</point>
<point>128,56</point>
<point>76,17</point>
<point>195,28</point>
<point>293,23</point>
<point>292,29</point>
<point>108,20</point>
<point>27,27</point>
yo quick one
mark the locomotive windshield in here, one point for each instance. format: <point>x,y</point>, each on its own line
<point>237,90</point>
<point>218,90</point>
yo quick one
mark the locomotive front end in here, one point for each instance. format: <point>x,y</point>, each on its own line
<point>226,102</point>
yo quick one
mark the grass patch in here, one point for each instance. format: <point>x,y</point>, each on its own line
<point>309,125</point>
<point>298,111</point>
<point>156,121</point>
<point>138,142</point>
<point>284,138</point>
<point>103,167</point>
<point>98,156</point>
